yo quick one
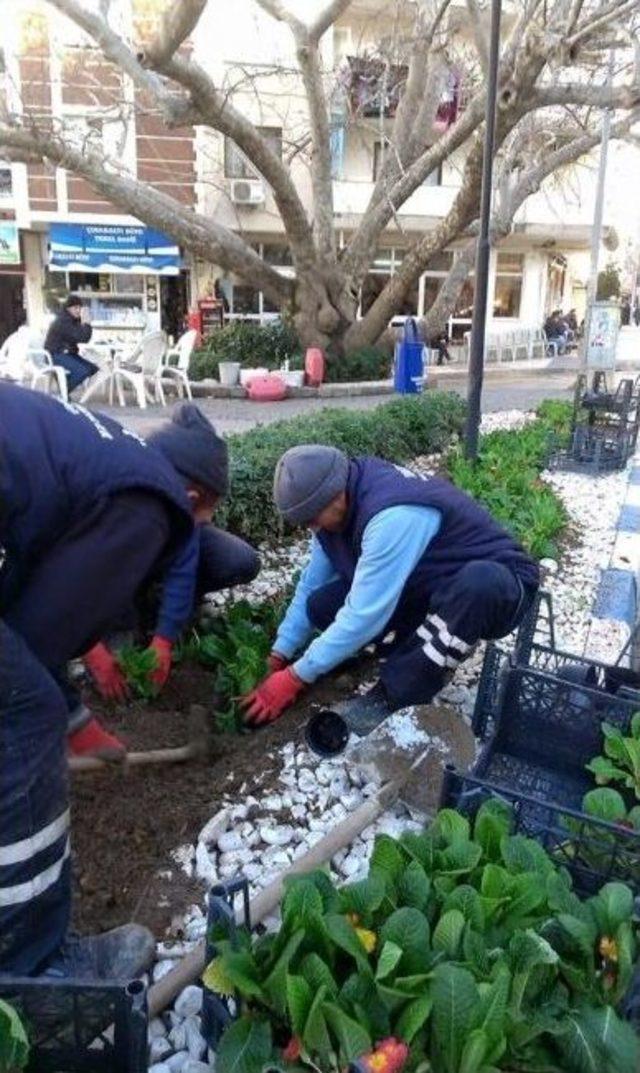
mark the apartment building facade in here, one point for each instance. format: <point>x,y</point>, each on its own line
<point>60,234</point>
<point>57,233</point>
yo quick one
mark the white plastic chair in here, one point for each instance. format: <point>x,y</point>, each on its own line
<point>178,375</point>
<point>142,370</point>
<point>507,349</point>
<point>26,362</point>
<point>538,344</point>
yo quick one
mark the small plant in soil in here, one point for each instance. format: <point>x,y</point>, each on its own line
<point>464,942</point>
<point>236,647</point>
<point>138,664</point>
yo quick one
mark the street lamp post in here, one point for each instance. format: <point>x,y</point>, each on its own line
<point>596,233</point>
<point>479,321</point>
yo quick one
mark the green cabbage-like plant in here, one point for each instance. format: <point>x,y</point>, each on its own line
<point>621,759</point>
<point>465,941</point>
<point>14,1045</point>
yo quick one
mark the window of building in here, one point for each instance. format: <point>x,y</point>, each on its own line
<point>236,165</point>
<point>6,181</point>
<point>380,150</point>
<point>249,303</point>
<point>508,289</point>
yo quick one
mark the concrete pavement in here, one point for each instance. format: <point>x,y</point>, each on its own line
<point>514,392</point>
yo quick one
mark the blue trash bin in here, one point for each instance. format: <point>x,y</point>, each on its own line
<point>408,365</point>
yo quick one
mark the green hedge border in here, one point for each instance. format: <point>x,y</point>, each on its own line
<point>506,477</point>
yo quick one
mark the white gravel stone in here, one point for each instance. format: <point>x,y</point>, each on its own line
<point>230,841</point>
<point>178,1036</point>
<point>178,1061</point>
<point>276,836</point>
<point>160,1067</point>
<point>161,968</point>
<point>196,1044</point>
<point>214,827</point>
<point>192,1066</point>
<point>157,1028</point>
<point>205,867</point>
<point>351,865</point>
<point>159,1048</point>
<point>189,1001</point>
<point>299,812</point>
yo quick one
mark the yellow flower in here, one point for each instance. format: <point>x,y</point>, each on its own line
<point>378,1062</point>
<point>215,978</point>
<point>367,938</point>
<point>608,948</point>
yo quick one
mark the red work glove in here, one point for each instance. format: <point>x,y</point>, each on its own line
<point>107,676</point>
<point>268,700</point>
<point>163,650</point>
<point>276,662</point>
<point>93,740</point>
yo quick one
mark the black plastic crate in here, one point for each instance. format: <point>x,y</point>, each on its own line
<point>228,904</point>
<point>556,701</point>
<point>78,1027</point>
<point>593,851</point>
<point>596,449</point>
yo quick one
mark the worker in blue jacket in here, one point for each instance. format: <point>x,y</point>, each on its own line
<point>209,561</point>
<point>392,553</point>
<point>88,513</point>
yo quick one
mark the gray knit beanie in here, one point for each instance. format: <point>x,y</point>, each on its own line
<point>192,445</point>
<point>307,478</point>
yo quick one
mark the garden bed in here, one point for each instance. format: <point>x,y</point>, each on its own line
<point>126,822</point>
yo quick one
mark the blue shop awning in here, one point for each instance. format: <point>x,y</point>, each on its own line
<point>112,248</point>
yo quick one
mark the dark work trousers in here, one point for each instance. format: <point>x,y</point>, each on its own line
<point>35,893</point>
<point>78,369</point>
<point>435,632</point>
<point>224,561</point>
<point>55,612</point>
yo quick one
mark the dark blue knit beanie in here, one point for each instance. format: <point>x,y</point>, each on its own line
<point>192,445</point>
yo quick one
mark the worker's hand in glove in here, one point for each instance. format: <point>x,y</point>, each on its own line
<point>105,671</point>
<point>163,649</point>
<point>276,662</point>
<point>267,701</point>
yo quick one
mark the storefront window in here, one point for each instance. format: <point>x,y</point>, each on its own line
<point>246,300</point>
<point>508,289</point>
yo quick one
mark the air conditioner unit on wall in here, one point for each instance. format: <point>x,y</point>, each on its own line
<point>247,191</point>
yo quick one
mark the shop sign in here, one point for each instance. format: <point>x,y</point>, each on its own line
<point>112,248</point>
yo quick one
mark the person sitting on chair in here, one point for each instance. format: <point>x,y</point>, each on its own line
<point>66,331</point>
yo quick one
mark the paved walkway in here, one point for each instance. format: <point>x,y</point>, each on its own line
<point>236,415</point>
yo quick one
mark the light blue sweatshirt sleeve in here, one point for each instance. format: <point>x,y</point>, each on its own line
<point>392,544</point>
<point>296,629</point>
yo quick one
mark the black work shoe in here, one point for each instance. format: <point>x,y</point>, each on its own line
<point>363,713</point>
<point>120,955</point>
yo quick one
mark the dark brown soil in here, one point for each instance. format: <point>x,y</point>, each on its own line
<point>126,821</point>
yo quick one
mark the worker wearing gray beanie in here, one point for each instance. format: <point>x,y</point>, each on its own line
<point>190,442</point>
<point>307,478</point>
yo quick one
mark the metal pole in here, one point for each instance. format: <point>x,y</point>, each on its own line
<point>478,324</point>
<point>596,233</point>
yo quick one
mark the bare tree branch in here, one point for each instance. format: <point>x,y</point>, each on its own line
<point>306,40</point>
<point>327,17</point>
<point>204,237</point>
<point>216,109</point>
<point>588,95</point>
<point>480,37</point>
<point>178,22</point>
<point>602,18</point>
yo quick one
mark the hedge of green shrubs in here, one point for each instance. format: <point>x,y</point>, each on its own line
<point>271,345</point>
<point>506,478</point>
<point>397,430</point>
